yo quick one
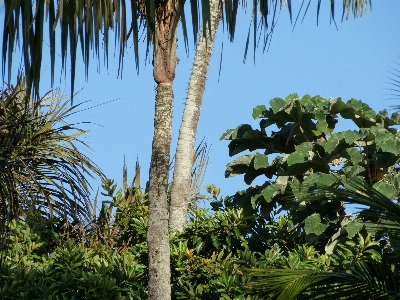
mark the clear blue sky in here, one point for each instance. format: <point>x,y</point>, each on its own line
<point>352,62</point>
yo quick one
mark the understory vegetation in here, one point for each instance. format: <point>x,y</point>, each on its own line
<point>291,237</point>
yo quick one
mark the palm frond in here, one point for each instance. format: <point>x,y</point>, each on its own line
<point>199,168</point>
<point>88,23</point>
<point>41,167</point>
<point>394,81</point>
<point>366,280</point>
<point>380,207</point>
<point>283,283</point>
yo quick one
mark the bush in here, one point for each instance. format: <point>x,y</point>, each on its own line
<point>29,269</point>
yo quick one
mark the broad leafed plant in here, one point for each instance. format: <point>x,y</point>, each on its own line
<point>312,171</point>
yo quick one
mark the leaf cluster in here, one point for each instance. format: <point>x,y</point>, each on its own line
<point>306,153</point>
<point>314,171</point>
<point>89,24</point>
<point>211,257</point>
<point>41,168</point>
<point>68,271</point>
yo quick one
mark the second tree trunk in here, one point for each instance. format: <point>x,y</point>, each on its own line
<point>187,132</point>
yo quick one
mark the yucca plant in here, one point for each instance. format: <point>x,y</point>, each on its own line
<point>41,168</point>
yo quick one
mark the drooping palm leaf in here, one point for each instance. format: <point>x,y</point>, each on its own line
<point>366,280</point>
<point>199,168</point>
<point>283,283</point>
<point>40,165</point>
<point>90,22</point>
<point>359,193</point>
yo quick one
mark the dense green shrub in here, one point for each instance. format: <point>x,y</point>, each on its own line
<point>29,269</point>
<point>209,259</point>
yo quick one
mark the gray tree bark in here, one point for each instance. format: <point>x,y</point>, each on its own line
<point>188,129</point>
<point>159,284</point>
<point>157,234</point>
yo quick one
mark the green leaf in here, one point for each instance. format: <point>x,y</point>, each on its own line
<point>374,254</point>
<point>352,171</point>
<point>341,141</point>
<point>313,224</point>
<point>291,98</point>
<point>260,161</point>
<point>215,241</point>
<point>362,107</point>
<point>307,102</point>
<point>227,135</point>
<point>386,189</point>
<point>385,140</point>
<point>339,236</point>
<point>241,130</point>
<point>354,155</point>
<point>277,104</point>
<point>270,191</point>
<point>320,102</point>
<point>322,127</point>
<point>321,179</point>
<point>301,154</point>
<point>254,201</point>
<point>353,227</point>
<point>290,225</point>
<point>338,106</point>
<point>258,111</point>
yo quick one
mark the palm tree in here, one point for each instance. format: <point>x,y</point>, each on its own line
<point>84,20</point>
<point>41,168</point>
<point>363,280</point>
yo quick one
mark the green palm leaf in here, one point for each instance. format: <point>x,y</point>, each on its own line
<point>90,22</point>
<point>379,206</point>
<point>370,280</point>
<point>394,81</point>
<point>283,283</point>
<point>366,280</point>
<point>40,165</point>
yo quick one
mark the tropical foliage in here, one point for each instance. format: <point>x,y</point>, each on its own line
<point>86,21</point>
<point>306,153</point>
<point>41,168</point>
<point>291,237</point>
<point>30,269</point>
<point>210,259</point>
<point>315,170</point>
<point>353,279</point>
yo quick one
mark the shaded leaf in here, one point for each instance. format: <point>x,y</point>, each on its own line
<point>313,224</point>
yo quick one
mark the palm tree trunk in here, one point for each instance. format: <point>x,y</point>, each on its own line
<point>157,234</point>
<point>187,132</point>
<point>159,284</point>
